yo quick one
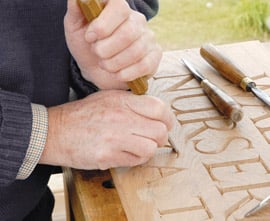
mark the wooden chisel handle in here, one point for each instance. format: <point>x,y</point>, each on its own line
<point>224,103</point>
<point>225,67</point>
<point>91,9</point>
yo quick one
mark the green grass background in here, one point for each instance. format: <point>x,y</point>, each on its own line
<point>190,23</point>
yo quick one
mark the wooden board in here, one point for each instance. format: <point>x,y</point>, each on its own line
<point>223,169</point>
<point>88,199</point>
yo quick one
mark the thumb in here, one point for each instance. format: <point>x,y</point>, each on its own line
<point>74,18</point>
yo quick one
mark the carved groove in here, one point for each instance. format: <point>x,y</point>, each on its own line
<point>223,167</point>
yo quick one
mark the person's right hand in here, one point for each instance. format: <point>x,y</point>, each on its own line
<point>106,129</point>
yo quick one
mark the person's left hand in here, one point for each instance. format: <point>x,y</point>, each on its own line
<point>114,48</point>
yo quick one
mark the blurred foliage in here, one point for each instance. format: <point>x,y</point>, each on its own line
<point>190,23</point>
<point>252,15</point>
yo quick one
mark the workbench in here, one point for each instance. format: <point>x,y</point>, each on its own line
<point>223,169</point>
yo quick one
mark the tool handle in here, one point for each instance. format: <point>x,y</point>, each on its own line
<point>225,66</point>
<point>91,9</point>
<point>224,103</point>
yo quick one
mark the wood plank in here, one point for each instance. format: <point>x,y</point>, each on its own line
<point>90,200</point>
<point>223,169</point>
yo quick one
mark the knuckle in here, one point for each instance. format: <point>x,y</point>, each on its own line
<point>150,150</point>
<point>115,116</point>
<point>122,76</point>
<point>163,131</point>
<point>141,17</point>
<point>98,49</point>
<point>163,135</point>
<point>150,62</point>
<point>145,65</point>
<point>110,66</point>
<point>99,28</point>
<point>158,107</point>
<point>120,115</point>
<point>138,52</point>
<point>127,35</point>
<point>117,64</point>
<point>150,37</point>
<point>125,12</point>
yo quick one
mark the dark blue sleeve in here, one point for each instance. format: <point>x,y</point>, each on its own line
<point>15,131</point>
<point>147,7</point>
<point>78,83</point>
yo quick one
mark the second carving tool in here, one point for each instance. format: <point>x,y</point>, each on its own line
<point>224,103</point>
<point>91,9</point>
<point>265,202</point>
<point>231,71</point>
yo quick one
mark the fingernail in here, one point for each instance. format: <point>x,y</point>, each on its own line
<point>91,36</point>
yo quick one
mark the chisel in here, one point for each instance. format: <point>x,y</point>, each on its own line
<point>224,103</point>
<point>91,9</point>
<point>232,72</point>
<point>265,202</point>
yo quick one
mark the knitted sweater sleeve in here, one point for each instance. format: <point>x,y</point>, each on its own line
<point>147,7</point>
<point>15,132</point>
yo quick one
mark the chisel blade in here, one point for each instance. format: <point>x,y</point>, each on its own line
<point>194,71</point>
<point>232,71</point>
<point>261,95</point>
<point>223,102</point>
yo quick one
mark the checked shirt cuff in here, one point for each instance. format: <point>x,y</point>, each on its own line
<point>37,141</point>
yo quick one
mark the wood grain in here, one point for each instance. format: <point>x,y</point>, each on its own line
<point>89,199</point>
<point>223,168</point>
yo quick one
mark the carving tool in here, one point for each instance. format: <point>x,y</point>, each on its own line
<point>259,207</point>
<point>224,103</point>
<point>91,9</point>
<point>232,72</point>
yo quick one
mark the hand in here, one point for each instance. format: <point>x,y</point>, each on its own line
<point>106,129</point>
<point>114,48</point>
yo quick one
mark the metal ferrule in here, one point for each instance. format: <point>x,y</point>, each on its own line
<point>247,83</point>
<point>204,81</point>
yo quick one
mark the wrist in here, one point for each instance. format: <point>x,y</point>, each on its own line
<point>50,154</point>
